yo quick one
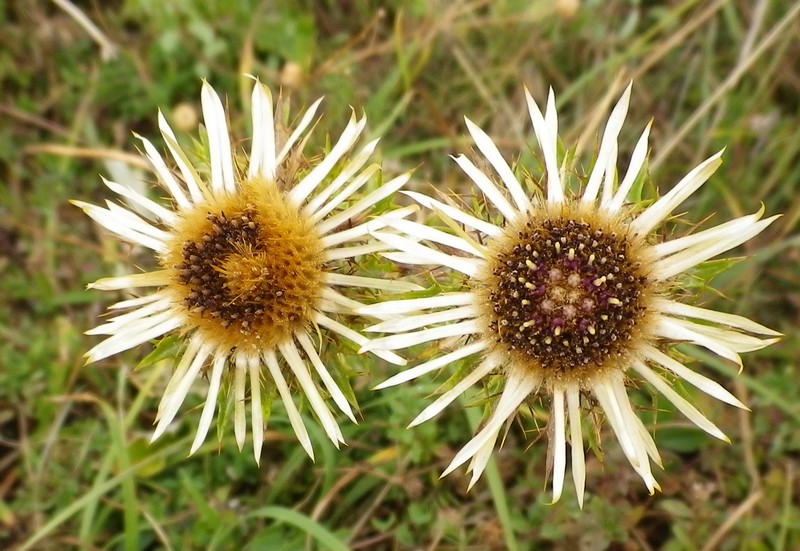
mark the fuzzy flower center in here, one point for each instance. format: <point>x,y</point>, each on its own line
<point>247,269</point>
<point>565,293</point>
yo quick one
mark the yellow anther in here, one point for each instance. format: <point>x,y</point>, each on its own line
<point>592,330</point>
<point>529,285</point>
<point>591,259</point>
<point>530,264</point>
<point>571,254</point>
<point>557,332</point>
<point>615,301</point>
<point>548,340</point>
<point>599,281</point>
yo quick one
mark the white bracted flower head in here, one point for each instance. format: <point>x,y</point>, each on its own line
<point>568,298</point>
<point>249,265</point>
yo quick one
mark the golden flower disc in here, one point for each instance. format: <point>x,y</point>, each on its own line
<point>247,267</point>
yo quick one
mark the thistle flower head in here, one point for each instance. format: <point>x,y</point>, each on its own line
<point>572,295</point>
<point>252,265</point>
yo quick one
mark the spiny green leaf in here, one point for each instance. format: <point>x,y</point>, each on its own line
<point>166,348</point>
<point>700,277</point>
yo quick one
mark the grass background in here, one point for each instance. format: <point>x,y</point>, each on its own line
<point>76,471</point>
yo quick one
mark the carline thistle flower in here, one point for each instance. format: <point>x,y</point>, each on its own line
<point>252,266</point>
<point>569,298</point>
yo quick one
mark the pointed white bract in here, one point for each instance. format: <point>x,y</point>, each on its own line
<point>554,292</point>
<point>325,200</point>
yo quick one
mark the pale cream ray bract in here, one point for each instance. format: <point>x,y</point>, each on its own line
<point>134,334</point>
<point>484,368</point>
<point>211,402</point>
<point>735,340</point>
<point>434,364</point>
<point>576,442</point>
<point>658,211</point>
<point>712,388</point>
<point>107,219</point>
<point>607,146</point>
<point>466,266</point>
<point>706,237</point>
<point>425,232</point>
<point>547,142</point>
<point>137,302</point>
<point>679,401</point>
<point>387,189</point>
<point>330,385</point>
<point>610,393</point>
<point>408,306</point>
<point>455,214</point>
<point>341,253</point>
<point>262,152</point>
<point>163,173</point>
<point>573,296</point>
<point>415,322</point>
<point>256,415</point>
<point>117,323</point>
<point>306,119</point>
<point>479,461</point>
<point>362,230</point>
<point>675,330</point>
<point>176,398</point>
<point>490,151</point>
<point>286,396</point>
<point>192,348</point>
<point>610,177</point>
<point>247,315</point>
<point>219,142</point>
<point>147,279</point>
<point>356,337</point>
<point>354,185</point>
<point>486,185</point>
<point>334,297</point>
<point>239,392</point>
<point>164,215</point>
<point>300,370</point>
<point>300,193</point>
<point>634,169</point>
<point>559,445</point>
<point>741,323</point>
<point>190,177</point>
<point>396,342</point>
<point>347,280</point>
<point>323,203</point>
<point>512,397</point>
<point>691,257</point>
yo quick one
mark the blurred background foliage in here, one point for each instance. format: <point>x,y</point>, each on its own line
<point>76,469</point>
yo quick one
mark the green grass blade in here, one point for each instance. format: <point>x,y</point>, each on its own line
<point>315,530</point>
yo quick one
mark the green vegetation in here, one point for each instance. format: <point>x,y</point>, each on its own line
<point>76,469</point>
